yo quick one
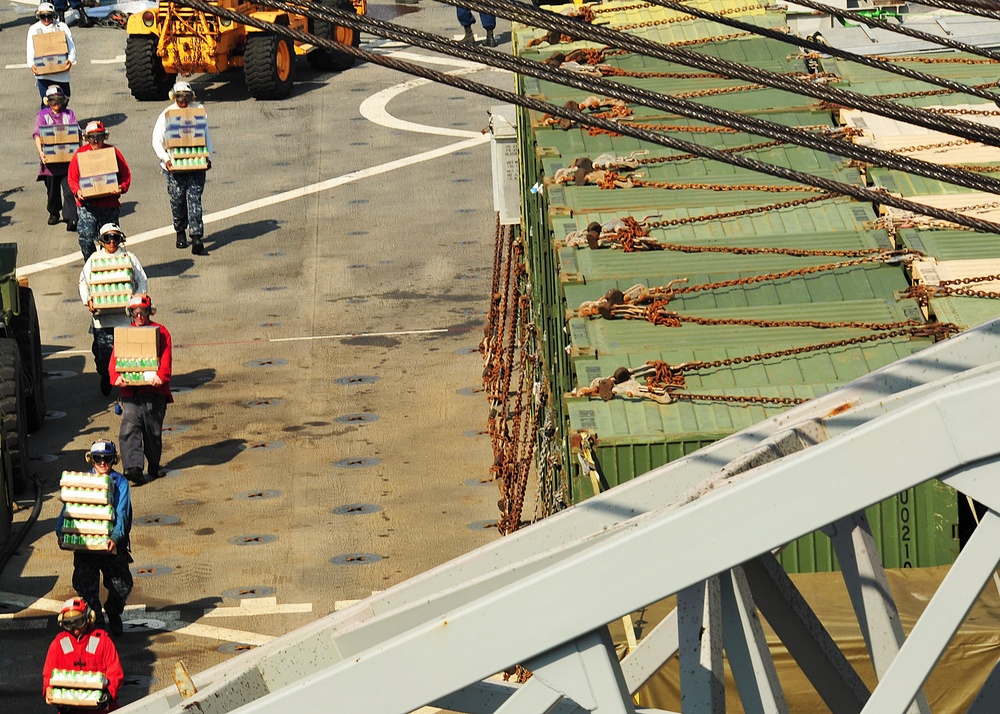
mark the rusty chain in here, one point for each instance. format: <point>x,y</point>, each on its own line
<point>663,381</point>
<point>508,345</point>
<point>617,303</point>
<point>923,293</point>
<point>918,59</point>
<point>612,179</point>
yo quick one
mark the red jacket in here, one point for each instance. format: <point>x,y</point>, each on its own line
<point>164,350</point>
<point>94,652</point>
<point>124,179</point>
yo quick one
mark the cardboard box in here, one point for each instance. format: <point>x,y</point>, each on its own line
<point>185,127</point>
<point>58,153</point>
<point>59,134</point>
<point>138,344</point>
<point>98,172</point>
<point>51,52</point>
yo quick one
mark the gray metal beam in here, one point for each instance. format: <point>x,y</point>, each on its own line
<point>940,620</point>
<point>659,645</point>
<point>699,629</point>
<point>805,637</point>
<point>870,596</point>
<point>746,649</point>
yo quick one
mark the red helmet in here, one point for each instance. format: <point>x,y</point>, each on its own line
<point>75,613</point>
<point>141,302</point>
<point>94,127</point>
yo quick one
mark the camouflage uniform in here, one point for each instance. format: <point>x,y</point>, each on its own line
<point>184,190</point>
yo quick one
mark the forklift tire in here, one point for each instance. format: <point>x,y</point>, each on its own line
<point>12,413</point>
<point>147,79</point>
<point>330,60</point>
<point>269,65</point>
<point>25,330</point>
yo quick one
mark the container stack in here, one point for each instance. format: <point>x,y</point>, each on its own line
<point>767,294</point>
<point>88,515</point>
<point>77,688</point>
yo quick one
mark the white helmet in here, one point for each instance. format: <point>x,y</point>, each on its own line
<point>45,8</point>
<point>181,86</point>
<point>109,228</point>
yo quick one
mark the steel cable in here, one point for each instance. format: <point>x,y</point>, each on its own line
<point>900,29</point>
<point>862,194</point>
<point>755,75</point>
<point>687,108</point>
<point>820,47</point>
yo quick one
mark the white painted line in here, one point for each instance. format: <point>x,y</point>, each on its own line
<point>16,66</point>
<point>30,603</point>
<point>218,633</point>
<point>60,353</point>
<point>278,198</point>
<point>435,59</point>
<point>359,334</point>
<point>374,107</point>
<point>258,606</point>
<point>138,612</point>
<point>120,59</point>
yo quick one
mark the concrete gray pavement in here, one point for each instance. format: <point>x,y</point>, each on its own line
<point>330,396</point>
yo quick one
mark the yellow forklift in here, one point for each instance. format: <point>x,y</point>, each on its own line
<point>172,40</point>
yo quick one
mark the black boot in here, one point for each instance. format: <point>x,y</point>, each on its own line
<point>134,475</point>
<point>469,38</point>
<point>197,246</point>
<point>85,20</point>
<point>491,41</point>
<point>182,239</point>
<point>115,626</point>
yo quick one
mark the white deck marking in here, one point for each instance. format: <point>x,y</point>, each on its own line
<point>119,59</point>
<point>304,338</point>
<point>30,603</point>
<point>169,618</point>
<point>359,334</point>
<point>258,606</point>
<point>374,107</point>
<point>16,66</point>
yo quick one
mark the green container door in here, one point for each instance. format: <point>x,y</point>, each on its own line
<point>915,529</point>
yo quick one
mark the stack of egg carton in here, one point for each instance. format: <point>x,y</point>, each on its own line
<point>88,514</point>
<point>111,281</point>
<point>76,688</point>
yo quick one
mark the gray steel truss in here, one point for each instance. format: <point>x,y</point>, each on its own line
<point>703,528</point>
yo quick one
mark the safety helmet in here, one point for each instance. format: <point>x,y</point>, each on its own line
<point>107,229</point>
<point>45,8</point>
<point>141,301</point>
<point>74,613</point>
<point>95,127</point>
<point>105,448</point>
<point>181,87</point>
<point>53,91</point>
